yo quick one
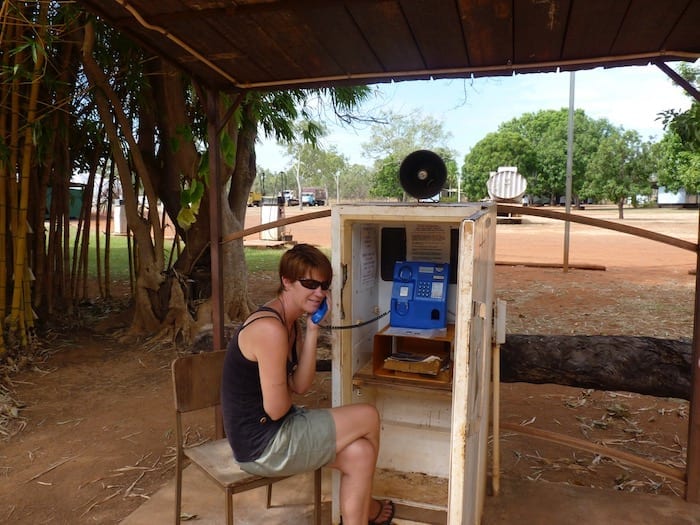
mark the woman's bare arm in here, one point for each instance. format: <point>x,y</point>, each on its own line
<point>266,342</point>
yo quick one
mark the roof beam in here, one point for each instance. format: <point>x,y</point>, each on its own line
<point>689,88</point>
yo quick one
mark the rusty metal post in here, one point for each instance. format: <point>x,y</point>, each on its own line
<point>692,466</point>
<point>217,273</point>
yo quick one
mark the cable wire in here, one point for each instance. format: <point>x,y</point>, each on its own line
<point>349,326</point>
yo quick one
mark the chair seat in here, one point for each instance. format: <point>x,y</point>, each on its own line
<point>216,459</point>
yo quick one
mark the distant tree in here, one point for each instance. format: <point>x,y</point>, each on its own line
<point>686,124</point>
<point>355,183</point>
<point>620,169</point>
<point>679,150</point>
<point>537,143</point>
<point>547,133</point>
<point>447,157</point>
<point>385,182</point>
<point>313,166</point>
<point>401,135</point>
<point>677,166</point>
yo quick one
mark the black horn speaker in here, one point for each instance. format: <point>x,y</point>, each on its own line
<point>422,174</point>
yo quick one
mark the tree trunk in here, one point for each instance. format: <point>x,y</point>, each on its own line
<point>645,365</point>
<point>194,259</point>
<point>178,159</point>
<point>236,298</point>
<point>148,232</point>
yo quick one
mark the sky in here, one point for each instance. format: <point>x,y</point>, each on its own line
<point>469,109</point>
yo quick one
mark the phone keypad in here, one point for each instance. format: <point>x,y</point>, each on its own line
<point>424,289</point>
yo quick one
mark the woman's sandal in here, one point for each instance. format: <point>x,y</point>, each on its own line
<point>383,504</point>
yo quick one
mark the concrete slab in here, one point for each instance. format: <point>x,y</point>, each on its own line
<point>292,502</point>
<point>526,502</point>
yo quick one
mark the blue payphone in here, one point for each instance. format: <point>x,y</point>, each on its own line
<point>419,294</point>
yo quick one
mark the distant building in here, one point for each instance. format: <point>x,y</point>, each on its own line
<point>679,198</point>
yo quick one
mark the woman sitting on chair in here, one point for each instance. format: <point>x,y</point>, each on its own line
<point>266,362</point>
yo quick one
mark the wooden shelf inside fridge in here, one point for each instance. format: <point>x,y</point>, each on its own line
<point>389,340</point>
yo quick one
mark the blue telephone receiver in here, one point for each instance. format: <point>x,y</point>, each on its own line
<point>318,314</point>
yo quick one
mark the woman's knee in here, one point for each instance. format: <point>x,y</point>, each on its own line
<point>370,414</point>
<point>359,454</point>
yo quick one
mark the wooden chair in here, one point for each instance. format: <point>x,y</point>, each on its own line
<point>196,386</point>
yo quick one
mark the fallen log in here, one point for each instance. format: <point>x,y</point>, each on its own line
<point>644,365</point>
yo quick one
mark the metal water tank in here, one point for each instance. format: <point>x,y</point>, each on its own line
<point>506,184</point>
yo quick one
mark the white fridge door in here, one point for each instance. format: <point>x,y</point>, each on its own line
<point>472,368</point>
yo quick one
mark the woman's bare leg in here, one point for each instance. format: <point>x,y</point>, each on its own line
<point>357,446</point>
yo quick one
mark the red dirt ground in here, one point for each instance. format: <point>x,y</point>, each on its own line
<point>97,423</point>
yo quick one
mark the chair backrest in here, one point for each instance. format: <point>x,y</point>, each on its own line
<point>197,380</point>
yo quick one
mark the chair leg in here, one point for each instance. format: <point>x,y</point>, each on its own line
<point>178,492</point>
<point>229,507</point>
<point>269,495</point>
<point>317,497</point>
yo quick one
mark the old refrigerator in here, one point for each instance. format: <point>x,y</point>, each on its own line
<point>435,418</point>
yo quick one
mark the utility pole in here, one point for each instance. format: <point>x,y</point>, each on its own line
<point>569,168</point>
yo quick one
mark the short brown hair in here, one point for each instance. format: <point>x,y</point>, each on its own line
<point>297,262</point>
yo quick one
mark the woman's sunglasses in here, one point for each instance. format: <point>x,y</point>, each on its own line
<point>312,284</point>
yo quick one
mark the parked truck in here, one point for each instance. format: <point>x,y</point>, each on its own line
<point>254,198</point>
<point>314,196</point>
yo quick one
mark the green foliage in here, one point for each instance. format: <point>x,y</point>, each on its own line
<point>190,200</point>
<point>547,132</point>
<point>182,134</point>
<point>395,137</point>
<point>346,99</point>
<point>537,143</point>
<point>279,112</point>
<point>677,166</point>
<point>228,150</point>
<point>293,119</point>
<point>262,260</point>
<point>686,125</point>
<point>267,260</point>
<point>355,182</point>
<point>447,157</point>
<point>256,259</point>
<point>385,182</point>
<point>398,135</point>
<point>679,150</point>
<point>619,169</point>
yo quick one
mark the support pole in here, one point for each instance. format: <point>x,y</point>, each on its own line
<point>217,274</point>
<point>499,338</point>
<point>496,421</point>
<point>692,464</point>
<point>569,169</point>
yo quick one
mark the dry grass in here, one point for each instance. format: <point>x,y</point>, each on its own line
<point>539,301</point>
<point>594,304</point>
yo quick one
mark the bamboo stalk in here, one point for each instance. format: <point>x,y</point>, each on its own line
<point>18,313</point>
<point>12,189</point>
<point>4,177</point>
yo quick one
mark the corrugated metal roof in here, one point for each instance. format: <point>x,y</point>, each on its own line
<point>268,44</point>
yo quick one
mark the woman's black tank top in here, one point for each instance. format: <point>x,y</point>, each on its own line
<point>248,428</point>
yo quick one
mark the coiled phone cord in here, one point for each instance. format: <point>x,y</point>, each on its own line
<point>357,325</point>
